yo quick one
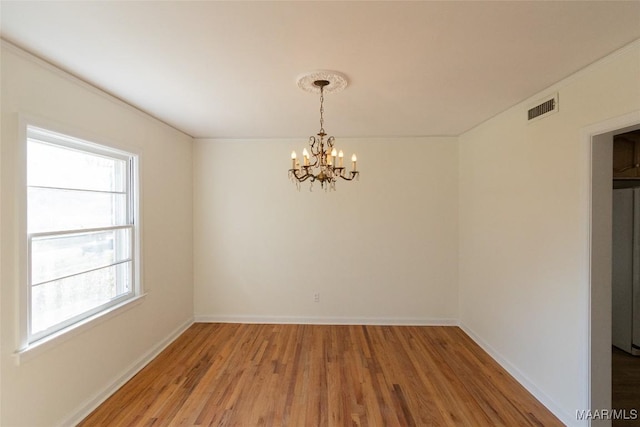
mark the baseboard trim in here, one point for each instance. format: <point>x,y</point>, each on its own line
<point>565,417</point>
<point>303,320</point>
<point>92,403</point>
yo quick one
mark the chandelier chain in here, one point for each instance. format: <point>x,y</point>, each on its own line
<point>321,109</point>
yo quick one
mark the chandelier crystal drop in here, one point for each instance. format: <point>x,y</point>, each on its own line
<point>322,161</point>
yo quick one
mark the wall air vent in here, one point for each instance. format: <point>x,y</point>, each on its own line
<point>543,108</point>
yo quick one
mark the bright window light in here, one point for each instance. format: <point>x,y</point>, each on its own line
<point>81,230</point>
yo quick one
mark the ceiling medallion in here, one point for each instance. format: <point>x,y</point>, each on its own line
<point>337,81</point>
<point>326,164</point>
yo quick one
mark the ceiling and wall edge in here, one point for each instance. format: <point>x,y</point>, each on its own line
<point>555,87</point>
<point>70,76</point>
<point>61,71</point>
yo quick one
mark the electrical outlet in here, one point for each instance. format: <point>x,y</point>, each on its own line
<point>316,297</point>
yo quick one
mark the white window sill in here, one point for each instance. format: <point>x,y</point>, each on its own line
<point>35,349</point>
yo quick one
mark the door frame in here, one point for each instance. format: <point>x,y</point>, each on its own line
<point>598,140</point>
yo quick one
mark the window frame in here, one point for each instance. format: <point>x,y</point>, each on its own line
<point>57,136</point>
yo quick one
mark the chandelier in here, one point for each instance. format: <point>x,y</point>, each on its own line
<point>322,162</point>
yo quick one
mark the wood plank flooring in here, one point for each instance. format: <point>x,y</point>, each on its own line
<point>316,375</point>
<point>625,375</point>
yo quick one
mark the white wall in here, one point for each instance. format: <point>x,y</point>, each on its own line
<point>524,231</point>
<point>63,380</point>
<point>381,250</point>
<point>491,229</point>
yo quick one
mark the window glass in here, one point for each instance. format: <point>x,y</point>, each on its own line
<point>80,230</point>
<point>51,209</point>
<point>55,302</point>
<point>63,167</point>
<point>59,256</point>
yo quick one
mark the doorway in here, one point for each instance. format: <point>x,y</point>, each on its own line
<point>625,310</point>
<point>599,141</point>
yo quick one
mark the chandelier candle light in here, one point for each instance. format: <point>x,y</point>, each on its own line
<point>322,162</point>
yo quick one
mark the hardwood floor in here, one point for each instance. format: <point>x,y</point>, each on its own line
<point>313,375</point>
<point>625,375</point>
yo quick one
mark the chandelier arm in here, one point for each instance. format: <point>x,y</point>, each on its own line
<point>315,146</point>
<point>295,173</point>
<point>314,150</point>
<point>303,177</point>
<point>353,175</point>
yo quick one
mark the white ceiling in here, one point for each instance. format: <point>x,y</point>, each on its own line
<point>229,69</point>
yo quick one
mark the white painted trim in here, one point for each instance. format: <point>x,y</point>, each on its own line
<point>38,347</point>
<point>25,351</point>
<point>406,321</point>
<point>92,403</point>
<point>566,418</point>
<point>610,125</point>
<point>587,134</point>
<point>74,131</point>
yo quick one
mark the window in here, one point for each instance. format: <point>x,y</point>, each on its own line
<point>81,230</point>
